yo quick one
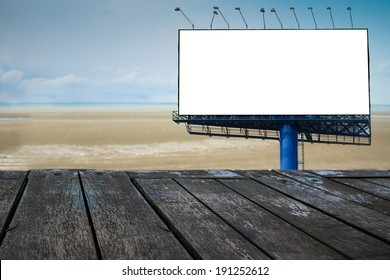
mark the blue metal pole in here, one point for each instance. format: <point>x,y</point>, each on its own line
<point>288,147</point>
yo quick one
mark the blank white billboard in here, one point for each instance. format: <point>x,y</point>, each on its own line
<point>273,72</point>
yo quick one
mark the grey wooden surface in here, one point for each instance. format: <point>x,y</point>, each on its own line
<point>269,232</point>
<point>50,221</point>
<point>200,214</point>
<point>118,209</point>
<point>12,185</point>
<point>206,235</point>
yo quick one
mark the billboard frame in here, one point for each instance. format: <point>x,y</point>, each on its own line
<point>347,129</point>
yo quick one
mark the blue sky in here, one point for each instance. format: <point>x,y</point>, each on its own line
<point>126,50</point>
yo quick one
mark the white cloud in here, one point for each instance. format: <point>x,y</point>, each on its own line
<point>58,83</point>
<point>72,88</point>
<point>133,78</point>
<point>32,84</point>
<point>152,80</point>
<point>67,80</point>
<point>15,88</point>
<point>129,78</point>
<point>11,77</point>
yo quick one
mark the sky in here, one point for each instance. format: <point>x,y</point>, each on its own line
<point>65,51</point>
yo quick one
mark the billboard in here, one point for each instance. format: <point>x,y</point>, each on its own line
<point>273,72</point>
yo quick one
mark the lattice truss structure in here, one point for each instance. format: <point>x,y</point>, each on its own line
<point>334,129</point>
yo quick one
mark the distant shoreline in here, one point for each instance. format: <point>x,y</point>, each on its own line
<point>83,104</point>
<point>87,107</point>
<point>118,107</point>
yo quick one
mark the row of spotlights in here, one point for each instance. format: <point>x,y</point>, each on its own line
<point>262,10</point>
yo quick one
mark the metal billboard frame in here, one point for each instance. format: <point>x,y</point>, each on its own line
<point>288,129</point>
<point>341,129</point>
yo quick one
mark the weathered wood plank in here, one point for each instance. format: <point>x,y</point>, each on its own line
<point>164,174</point>
<point>385,182</point>
<point>273,235</point>
<point>126,226</point>
<point>249,173</point>
<point>354,195</point>
<point>12,175</point>
<point>50,221</point>
<point>353,173</point>
<point>367,186</point>
<point>364,218</point>
<point>345,239</point>
<point>204,234</point>
<point>10,186</point>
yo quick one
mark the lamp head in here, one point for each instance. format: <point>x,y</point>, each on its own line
<point>215,12</point>
<point>310,8</point>
<point>262,10</point>
<point>237,8</point>
<point>215,8</point>
<point>292,8</point>
<point>329,8</point>
<point>349,8</point>
<point>273,10</point>
<point>177,9</point>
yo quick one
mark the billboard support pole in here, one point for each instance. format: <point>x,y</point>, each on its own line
<point>288,147</point>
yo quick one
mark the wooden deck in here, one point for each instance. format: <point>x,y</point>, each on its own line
<point>92,214</point>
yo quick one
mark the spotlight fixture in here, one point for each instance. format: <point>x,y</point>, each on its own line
<point>315,22</point>
<point>219,11</point>
<point>296,18</point>
<point>177,9</point>
<point>238,9</point>
<point>273,10</point>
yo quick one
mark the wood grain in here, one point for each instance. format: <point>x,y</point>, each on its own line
<point>327,185</point>
<point>275,236</point>
<point>50,221</point>
<point>201,214</point>
<point>367,186</point>
<point>126,226</point>
<point>353,173</point>
<point>163,174</point>
<point>204,234</point>
<point>338,235</point>
<point>385,182</point>
<point>364,218</point>
<point>10,186</point>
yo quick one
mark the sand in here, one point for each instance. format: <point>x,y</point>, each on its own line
<point>147,138</point>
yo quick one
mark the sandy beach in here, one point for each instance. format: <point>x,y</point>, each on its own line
<point>122,138</point>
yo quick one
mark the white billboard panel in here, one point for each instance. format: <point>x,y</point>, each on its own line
<point>273,72</point>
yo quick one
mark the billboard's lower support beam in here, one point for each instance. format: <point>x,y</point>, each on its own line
<point>288,147</point>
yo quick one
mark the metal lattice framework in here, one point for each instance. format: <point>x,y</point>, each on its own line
<point>331,129</point>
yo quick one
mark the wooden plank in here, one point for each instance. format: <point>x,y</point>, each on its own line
<point>349,241</point>
<point>126,226</point>
<point>367,186</point>
<point>50,221</point>
<point>164,174</point>
<point>204,234</point>
<point>248,173</point>
<point>353,173</point>
<point>12,175</point>
<point>364,218</point>
<point>385,182</point>
<point>273,235</point>
<point>10,186</point>
<point>351,194</point>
